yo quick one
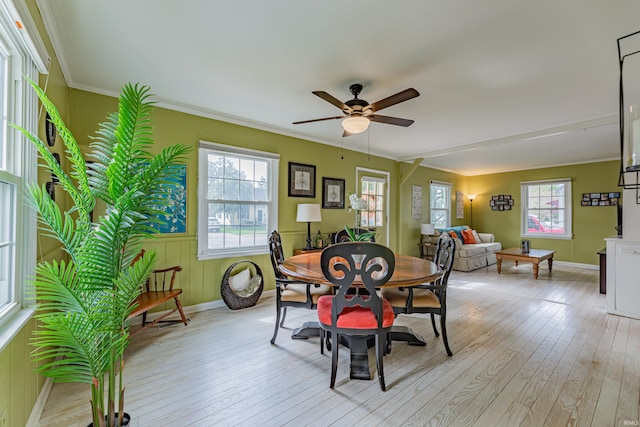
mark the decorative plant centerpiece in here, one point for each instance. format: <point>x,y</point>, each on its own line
<point>85,301</point>
<point>367,236</point>
<point>356,204</point>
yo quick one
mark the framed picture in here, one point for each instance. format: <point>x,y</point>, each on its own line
<point>174,213</point>
<point>302,180</point>
<point>332,193</point>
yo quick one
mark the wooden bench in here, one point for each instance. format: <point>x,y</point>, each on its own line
<point>158,290</point>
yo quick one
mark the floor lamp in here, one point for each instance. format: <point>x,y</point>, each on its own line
<point>308,212</point>
<point>471,197</point>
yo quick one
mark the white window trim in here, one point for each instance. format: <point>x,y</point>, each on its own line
<point>568,226</point>
<point>204,253</point>
<point>27,57</point>
<point>361,172</point>
<point>450,186</point>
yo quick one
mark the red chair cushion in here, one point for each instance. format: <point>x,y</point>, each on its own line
<point>354,317</point>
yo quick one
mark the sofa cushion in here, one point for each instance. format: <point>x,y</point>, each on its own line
<point>458,229</point>
<point>468,237</point>
<point>467,251</point>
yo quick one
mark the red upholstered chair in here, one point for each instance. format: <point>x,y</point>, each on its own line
<point>290,293</point>
<point>431,297</point>
<point>357,269</point>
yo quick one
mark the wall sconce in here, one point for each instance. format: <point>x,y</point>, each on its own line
<point>629,177</point>
<point>308,212</point>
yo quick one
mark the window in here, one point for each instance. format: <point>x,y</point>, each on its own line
<point>440,204</point>
<point>546,209</point>
<point>20,55</point>
<point>238,199</point>
<point>373,192</point>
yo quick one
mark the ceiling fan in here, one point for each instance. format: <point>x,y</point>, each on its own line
<point>358,113</point>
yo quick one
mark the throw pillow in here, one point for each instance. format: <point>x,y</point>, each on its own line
<point>453,234</point>
<point>467,237</point>
<point>475,236</point>
<point>240,281</point>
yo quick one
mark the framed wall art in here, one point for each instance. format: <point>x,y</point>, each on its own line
<point>416,202</point>
<point>174,214</point>
<point>600,199</point>
<point>332,193</point>
<point>302,180</point>
<point>501,202</point>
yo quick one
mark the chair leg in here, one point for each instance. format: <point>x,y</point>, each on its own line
<point>380,343</point>
<point>444,333</point>
<point>334,358</point>
<point>284,314</point>
<point>322,334</point>
<point>433,323</point>
<point>275,332</point>
<point>182,316</point>
<point>144,318</point>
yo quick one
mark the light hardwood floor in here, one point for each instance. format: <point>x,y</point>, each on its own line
<point>526,352</point>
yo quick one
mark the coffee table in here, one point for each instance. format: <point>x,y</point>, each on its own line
<point>534,256</point>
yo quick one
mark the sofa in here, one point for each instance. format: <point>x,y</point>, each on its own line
<point>472,256</point>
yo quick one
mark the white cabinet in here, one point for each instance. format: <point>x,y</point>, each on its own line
<point>623,277</point>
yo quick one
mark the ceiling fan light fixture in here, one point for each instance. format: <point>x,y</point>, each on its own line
<point>355,124</point>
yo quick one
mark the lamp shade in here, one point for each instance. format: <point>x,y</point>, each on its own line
<point>427,229</point>
<point>471,197</point>
<point>308,212</point>
<point>355,124</point>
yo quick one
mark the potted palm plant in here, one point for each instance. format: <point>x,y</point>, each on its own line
<point>84,301</point>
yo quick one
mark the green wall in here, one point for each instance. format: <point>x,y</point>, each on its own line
<point>590,224</point>
<point>201,279</point>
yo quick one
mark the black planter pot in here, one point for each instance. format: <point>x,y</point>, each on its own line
<point>125,420</point>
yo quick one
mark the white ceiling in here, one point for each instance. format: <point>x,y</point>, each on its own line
<point>504,84</point>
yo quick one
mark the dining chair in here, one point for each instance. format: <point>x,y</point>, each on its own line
<point>428,298</point>
<point>356,309</point>
<point>290,293</point>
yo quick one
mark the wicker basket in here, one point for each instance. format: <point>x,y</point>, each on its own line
<point>248,298</point>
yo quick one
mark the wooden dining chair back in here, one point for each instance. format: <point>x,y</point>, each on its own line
<point>290,293</point>
<point>159,289</point>
<point>428,298</point>
<point>357,269</point>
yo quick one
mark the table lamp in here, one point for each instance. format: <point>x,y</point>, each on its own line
<point>308,212</point>
<point>427,230</point>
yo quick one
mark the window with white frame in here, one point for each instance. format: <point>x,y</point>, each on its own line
<point>238,200</point>
<point>546,209</point>
<point>21,54</point>
<point>440,204</point>
<point>372,190</point>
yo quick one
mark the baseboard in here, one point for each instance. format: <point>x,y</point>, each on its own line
<point>38,407</point>
<point>577,264</point>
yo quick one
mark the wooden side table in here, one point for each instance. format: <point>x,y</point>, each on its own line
<point>427,250</point>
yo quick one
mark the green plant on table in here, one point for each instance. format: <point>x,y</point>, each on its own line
<point>85,301</point>
<point>367,236</point>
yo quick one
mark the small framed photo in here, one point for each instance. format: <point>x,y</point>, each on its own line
<point>302,180</point>
<point>332,193</point>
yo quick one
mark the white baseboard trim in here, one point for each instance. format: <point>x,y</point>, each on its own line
<point>38,407</point>
<point>577,264</point>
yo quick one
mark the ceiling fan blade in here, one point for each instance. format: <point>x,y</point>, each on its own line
<point>399,97</point>
<point>390,120</point>
<point>332,100</point>
<point>318,120</point>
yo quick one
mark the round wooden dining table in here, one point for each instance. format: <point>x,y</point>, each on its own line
<point>409,271</point>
